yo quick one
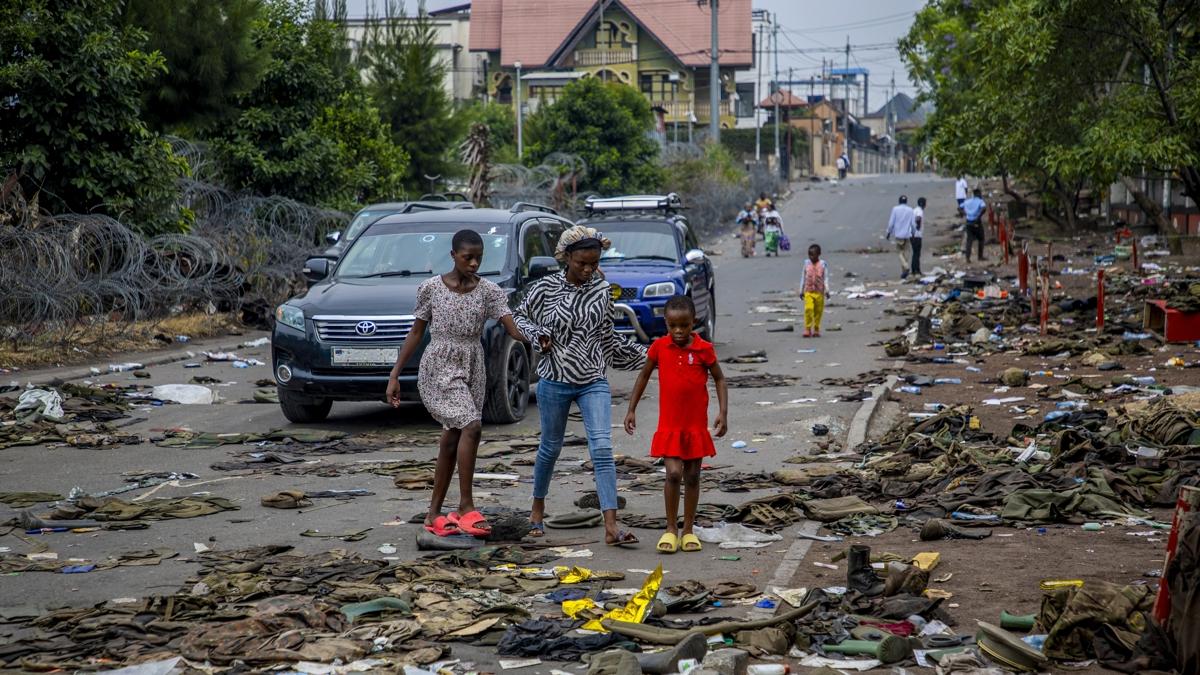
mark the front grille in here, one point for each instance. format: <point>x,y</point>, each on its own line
<point>628,294</point>
<point>344,329</point>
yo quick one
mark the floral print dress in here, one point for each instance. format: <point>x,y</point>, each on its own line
<point>452,378</point>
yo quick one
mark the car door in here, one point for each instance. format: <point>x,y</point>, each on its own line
<point>699,275</point>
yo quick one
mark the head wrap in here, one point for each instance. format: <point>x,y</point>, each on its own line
<point>576,235</point>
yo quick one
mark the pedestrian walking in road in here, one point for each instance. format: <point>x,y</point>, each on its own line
<point>960,192</point>
<point>452,379</point>
<point>772,231</point>
<point>918,234</point>
<point>973,210</point>
<point>684,361</point>
<point>900,226</point>
<point>747,232</point>
<point>814,287</point>
<point>841,167</point>
<point>569,317</point>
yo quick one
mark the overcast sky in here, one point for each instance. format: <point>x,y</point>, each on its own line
<point>814,29</point>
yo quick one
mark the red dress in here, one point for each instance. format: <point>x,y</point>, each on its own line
<point>682,398</point>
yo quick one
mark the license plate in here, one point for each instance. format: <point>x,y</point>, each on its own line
<point>343,356</point>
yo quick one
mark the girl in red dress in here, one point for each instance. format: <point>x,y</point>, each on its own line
<point>684,361</point>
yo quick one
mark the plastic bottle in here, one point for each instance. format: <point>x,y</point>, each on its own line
<point>938,345</point>
<point>768,669</point>
<point>942,359</point>
<point>935,407</point>
<point>1144,379</point>
<point>1070,405</point>
<point>973,369</point>
<point>948,380</point>
<point>910,389</point>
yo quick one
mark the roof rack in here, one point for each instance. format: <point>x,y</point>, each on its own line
<point>668,203</point>
<point>527,206</point>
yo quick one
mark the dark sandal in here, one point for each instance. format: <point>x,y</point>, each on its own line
<point>624,538</point>
<point>537,530</point>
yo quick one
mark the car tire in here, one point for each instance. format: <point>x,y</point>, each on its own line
<point>508,384</point>
<point>302,409</point>
<point>708,329</point>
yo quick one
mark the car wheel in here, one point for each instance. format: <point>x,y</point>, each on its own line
<point>302,409</point>
<point>708,329</point>
<point>508,389</point>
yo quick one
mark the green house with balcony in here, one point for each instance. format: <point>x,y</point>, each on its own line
<point>663,49</point>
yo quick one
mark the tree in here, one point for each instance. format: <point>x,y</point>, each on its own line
<point>399,60</point>
<point>209,55</point>
<point>71,87</point>
<point>606,125</point>
<point>501,123</point>
<point>307,130</point>
<point>1063,94</point>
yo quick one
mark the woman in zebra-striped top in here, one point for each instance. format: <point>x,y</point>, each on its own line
<point>569,316</point>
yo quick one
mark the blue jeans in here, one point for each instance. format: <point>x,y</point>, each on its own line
<point>595,402</point>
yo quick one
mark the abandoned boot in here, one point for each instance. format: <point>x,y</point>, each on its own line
<point>694,646</point>
<point>860,576</point>
<point>935,529</point>
<point>903,578</point>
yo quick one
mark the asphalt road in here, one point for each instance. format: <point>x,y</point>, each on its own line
<point>775,422</point>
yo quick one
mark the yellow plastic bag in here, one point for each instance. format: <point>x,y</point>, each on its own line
<point>638,606</point>
<point>572,575</point>
<point>573,608</point>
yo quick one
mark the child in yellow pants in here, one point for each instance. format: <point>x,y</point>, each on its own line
<point>814,285</point>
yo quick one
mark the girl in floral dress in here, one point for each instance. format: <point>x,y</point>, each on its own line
<point>455,306</point>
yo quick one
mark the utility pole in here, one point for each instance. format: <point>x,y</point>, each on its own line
<point>788,141</point>
<point>774,94</point>
<point>892,124</point>
<point>846,105</point>
<point>758,97</point>
<point>714,77</point>
<point>520,135</point>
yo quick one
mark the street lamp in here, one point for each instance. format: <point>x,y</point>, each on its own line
<point>520,134</point>
<point>674,78</point>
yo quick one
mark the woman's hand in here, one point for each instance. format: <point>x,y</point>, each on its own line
<point>630,422</point>
<point>720,427</point>
<point>393,392</point>
<point>545,343</point>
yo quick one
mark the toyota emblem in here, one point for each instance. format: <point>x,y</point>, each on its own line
<point>365,328</point>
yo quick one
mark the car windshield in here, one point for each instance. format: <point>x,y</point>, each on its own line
<point>653,242</point>
<point>386,252</point>
<point>362,220</point>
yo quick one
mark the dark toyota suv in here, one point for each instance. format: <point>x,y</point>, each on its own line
<point>339,340</point>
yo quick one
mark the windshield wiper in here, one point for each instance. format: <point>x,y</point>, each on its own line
<point>393,273</point>
<point>650,257</point>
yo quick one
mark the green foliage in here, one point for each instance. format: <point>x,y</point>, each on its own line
<point>71,85</point>
<point>209,56</point>
<point>307,130</point>
<point>741,141</point>
<point>1063,94</point>
<point>605,124</point>
<point>691,176</point>
<point>404,77</point>
<point>502,128</point>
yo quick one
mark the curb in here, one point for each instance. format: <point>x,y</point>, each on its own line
<point>857,435</point>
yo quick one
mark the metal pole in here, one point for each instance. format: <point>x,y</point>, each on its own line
<point>757,98</point>
<point>520,115</point>
<point>846,105</point>
<point>775,43</point>
<point>675,105</point>
<point>714,77</point>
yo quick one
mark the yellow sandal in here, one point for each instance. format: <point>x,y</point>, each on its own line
<point>690,543</point>
<point>668,543</point>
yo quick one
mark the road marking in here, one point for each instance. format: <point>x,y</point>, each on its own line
<point>787,568</point>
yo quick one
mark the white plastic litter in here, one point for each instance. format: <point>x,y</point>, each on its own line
<point>122,367</point>
<point>734,535</point>
<point>187,394</point>
<point>153,668</point>
<point>46,402</point>
<point>814,661</point>
<point>260,342</point>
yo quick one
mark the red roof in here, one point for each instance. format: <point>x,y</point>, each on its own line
<point>789,100</point>
<point>531,31</point>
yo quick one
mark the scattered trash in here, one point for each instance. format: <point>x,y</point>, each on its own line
<point>186,394</point>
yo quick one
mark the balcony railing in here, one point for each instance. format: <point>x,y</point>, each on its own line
<point>603,57</point>
<point>679,109</point>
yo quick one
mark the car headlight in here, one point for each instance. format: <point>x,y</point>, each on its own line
<point>659,290</point>
<point>290,315</point>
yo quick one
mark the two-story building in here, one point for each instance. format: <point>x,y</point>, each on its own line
<point>661,48</point>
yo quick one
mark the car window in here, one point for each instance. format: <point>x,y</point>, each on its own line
<point>690,238</point>
<point>658,243</point>
<point>417,253</point>
<point>553,229</point>
<point>362,220</point>
<point>533,244</point>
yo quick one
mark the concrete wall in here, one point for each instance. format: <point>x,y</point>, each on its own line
<point>463,70</point>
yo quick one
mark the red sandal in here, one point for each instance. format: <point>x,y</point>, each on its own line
<point>473,523</point>
<point>443,527</point>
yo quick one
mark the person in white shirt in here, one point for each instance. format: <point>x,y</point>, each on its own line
<point>900,226</point>
<point>841,167</point>
<point>918,233</point>
<point>960,191</point>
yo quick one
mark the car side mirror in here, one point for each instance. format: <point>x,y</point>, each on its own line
<point>694,256</point>
<point>316,269</point>
<point>541,266</point>
<point>333,237</point>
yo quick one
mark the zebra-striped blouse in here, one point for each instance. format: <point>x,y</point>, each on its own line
<point>579,321</point>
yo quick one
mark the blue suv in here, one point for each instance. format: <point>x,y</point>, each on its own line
<point>654,255</point>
